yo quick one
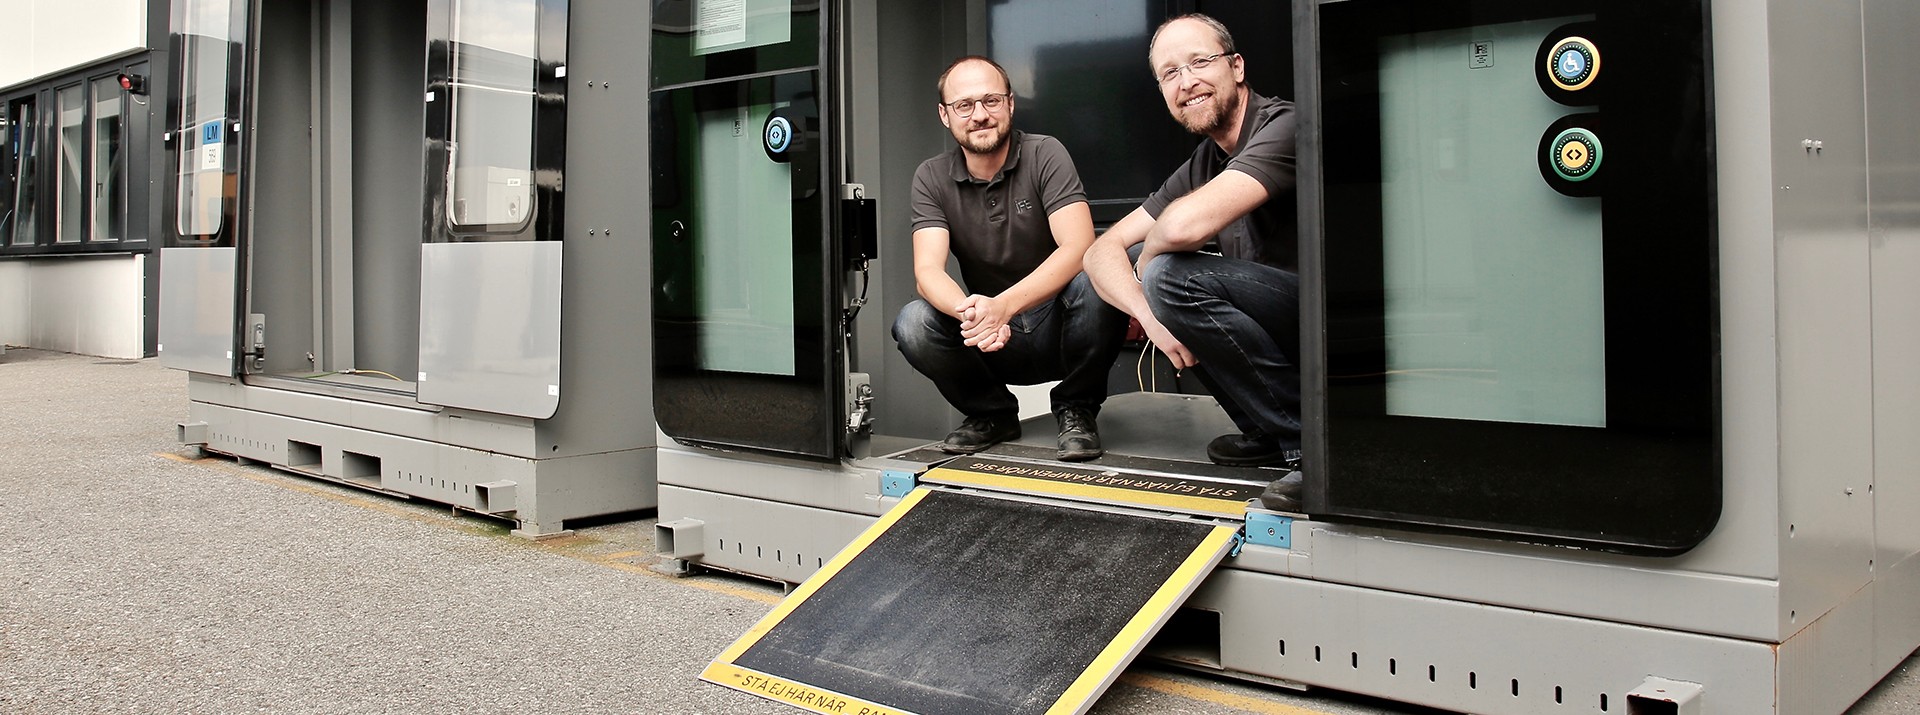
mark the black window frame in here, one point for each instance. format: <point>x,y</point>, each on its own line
<point>136,146</point>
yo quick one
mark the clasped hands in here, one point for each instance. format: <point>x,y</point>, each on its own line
<point>983,322</point>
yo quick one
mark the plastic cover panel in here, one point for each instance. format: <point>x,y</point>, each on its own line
<point>197,317</point>
<point>490,326</point>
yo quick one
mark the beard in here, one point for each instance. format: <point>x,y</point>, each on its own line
<point>1225,106</point>
<point>988,145</point>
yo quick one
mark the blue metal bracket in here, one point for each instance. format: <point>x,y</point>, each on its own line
<point>1270,530</point>
<point>896,484</point>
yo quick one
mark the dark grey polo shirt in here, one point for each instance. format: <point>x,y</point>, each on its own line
<point>1270,233</point>
<point>998,227</point>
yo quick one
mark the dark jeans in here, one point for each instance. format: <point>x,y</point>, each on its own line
<point>1241,320</point>
<point>1072,338</point>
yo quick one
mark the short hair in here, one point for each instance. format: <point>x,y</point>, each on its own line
<point>1219,31</point>
<point>941,85</point>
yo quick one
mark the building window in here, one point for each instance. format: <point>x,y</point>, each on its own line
<point>71,225</point>
<point>67,153</point>
<point>109,196</point>
<point>22,149</point>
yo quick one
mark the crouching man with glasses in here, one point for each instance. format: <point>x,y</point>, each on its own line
<point>1234,318</point>
<point>1010,207</point>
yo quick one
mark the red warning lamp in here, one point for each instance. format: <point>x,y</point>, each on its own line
<point>134,83</point>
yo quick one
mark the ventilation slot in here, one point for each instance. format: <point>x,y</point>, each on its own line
<point>303,455</point>
<point>363,468</point>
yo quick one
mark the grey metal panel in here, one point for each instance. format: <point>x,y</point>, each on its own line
<point>771,478</point>
<point>388,165</point>
<point>490,326</point>
<point>1587,584</point>
<point>1893,100</point>
<point>1484,659</point>
<point>197,293</point>
<point>1746,541</point>
<point>280,266</point>
<point>504,434</point>
<point>767,539</point>
<point>546,491</point>
<point>1823,281</point>
<point>605,329</point>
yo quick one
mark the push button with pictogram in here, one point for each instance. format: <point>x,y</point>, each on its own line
<point>1573,63</point>
<point>1575,154</point>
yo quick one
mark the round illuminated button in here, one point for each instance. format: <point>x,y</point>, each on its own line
<point>779,134</point>
<point>1573,63</point>
<point>1576,154</point>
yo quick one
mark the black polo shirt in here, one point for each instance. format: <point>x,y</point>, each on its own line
<point>997,227</point>
<point>1270,233</point>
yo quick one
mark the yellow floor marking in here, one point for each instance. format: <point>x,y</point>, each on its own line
<point>1218,697</point>
<point>570,548</point>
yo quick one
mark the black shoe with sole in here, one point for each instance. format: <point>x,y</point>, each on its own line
<point>978,433</point>
<point>1079,435</point>
<point>1284,493</point>
<point>1241,450</point>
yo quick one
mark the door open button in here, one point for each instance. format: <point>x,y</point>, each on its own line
<point>1576,154</point>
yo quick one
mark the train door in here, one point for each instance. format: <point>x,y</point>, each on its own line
<point>199,286</point>
<point>1517,320</point>
<point>748,346</point>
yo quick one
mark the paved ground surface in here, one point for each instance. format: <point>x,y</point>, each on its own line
<point>136,577</point>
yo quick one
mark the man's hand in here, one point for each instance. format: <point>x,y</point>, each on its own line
<point>1176,352</point>
<point>983,322</point>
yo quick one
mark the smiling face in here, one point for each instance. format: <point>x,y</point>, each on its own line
<point>984,131</point>
<point>1202,100</point>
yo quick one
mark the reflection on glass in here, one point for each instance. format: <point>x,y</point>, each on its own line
<point>490,186</point>
<point>203,114</point>
<point>720,25</point>
<point>1087,83</point>
<point>109,215</point>
<point>1494,295</point>
<point>743,270</point>
<point>20,141</point>
<point>71,226</point>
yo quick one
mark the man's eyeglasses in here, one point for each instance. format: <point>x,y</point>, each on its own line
<point>963,108</point>
<point>1172,74</point>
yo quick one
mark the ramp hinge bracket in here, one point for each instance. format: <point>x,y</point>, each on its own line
<point>1269,530</point>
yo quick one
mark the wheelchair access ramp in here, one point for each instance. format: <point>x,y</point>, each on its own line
<point>968,602</point>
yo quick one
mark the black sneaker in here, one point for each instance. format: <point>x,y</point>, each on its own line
<point>1242,450</point>
<point>1079,435</point>
<point>1284,493</point>
<point>978,433</point>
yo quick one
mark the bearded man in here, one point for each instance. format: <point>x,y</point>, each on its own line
<point>1010,207</point>
<point>1233,318</point>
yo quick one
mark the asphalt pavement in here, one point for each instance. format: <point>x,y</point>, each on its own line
<point>137,576</point>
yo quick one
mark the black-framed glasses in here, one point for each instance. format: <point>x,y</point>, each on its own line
<point>963,108</point>
<point>1170,74</point>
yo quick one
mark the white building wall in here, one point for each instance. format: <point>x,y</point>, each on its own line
<point>40,37</point>
<point>83,304</point>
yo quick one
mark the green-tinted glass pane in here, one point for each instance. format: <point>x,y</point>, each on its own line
<point>1494,298</point>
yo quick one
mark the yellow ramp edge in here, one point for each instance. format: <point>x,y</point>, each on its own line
<point>1077,698</point>
<point>1193,496</point>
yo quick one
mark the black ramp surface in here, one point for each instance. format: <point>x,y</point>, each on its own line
<point>978,606</point>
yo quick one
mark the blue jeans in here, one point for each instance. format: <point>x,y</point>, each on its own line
<point>1072,338</point>
<point>1241,320</point>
